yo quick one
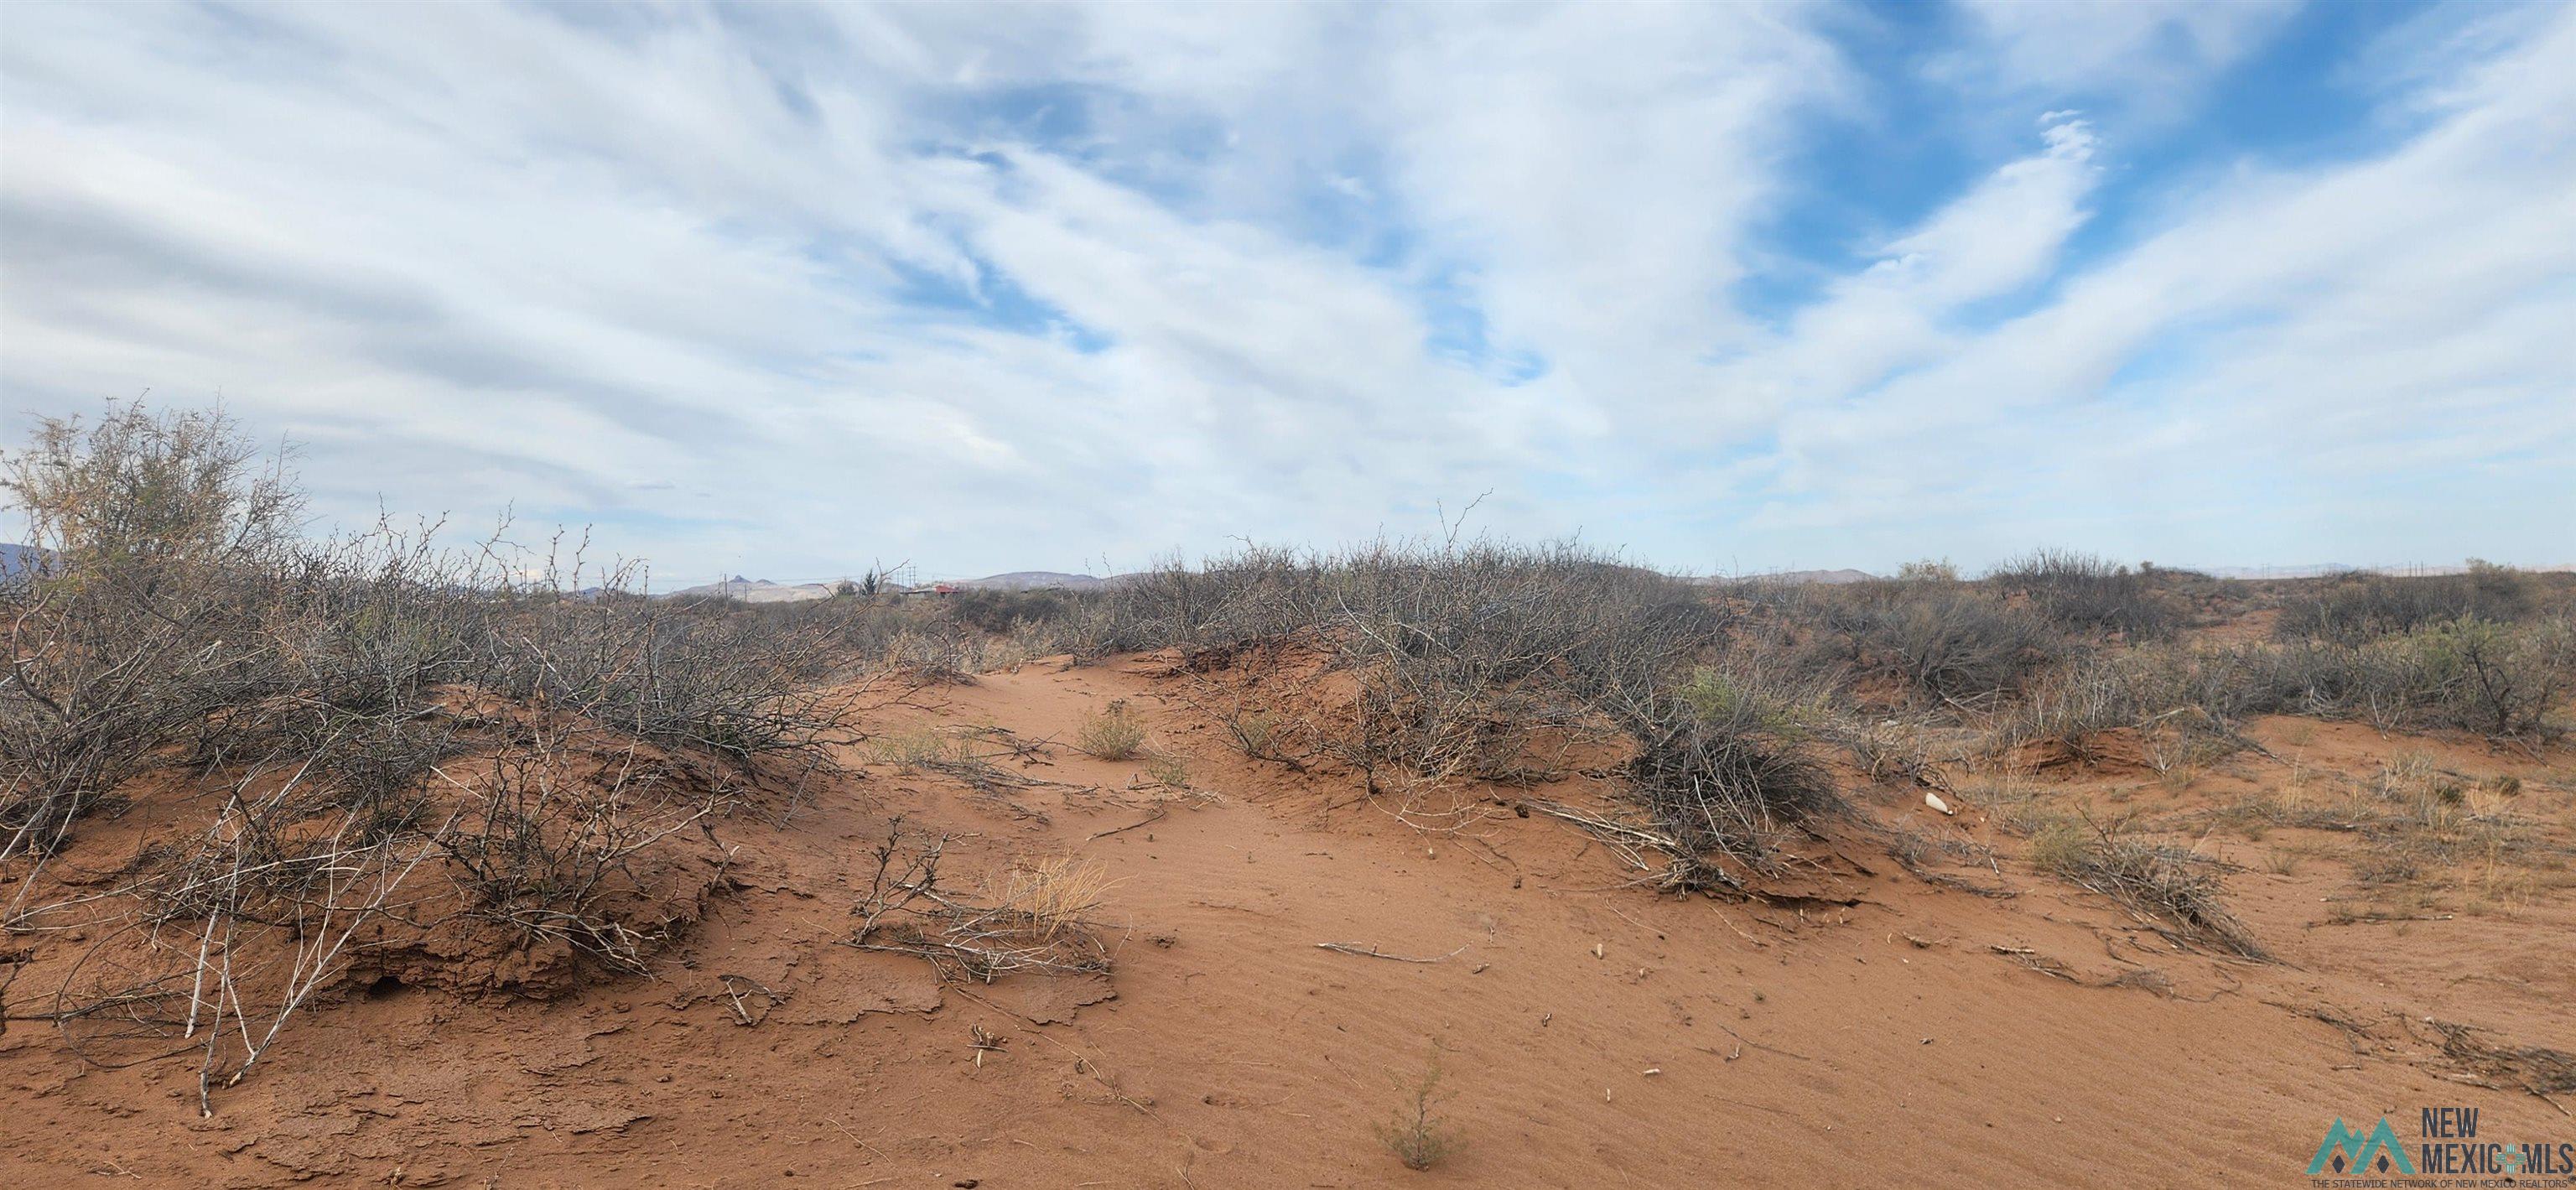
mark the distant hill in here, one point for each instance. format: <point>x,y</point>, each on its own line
<point>753,590</point>
<point>14,558</point>
<point>1829,577</point>
<point>1030,580</point>
<point>2320,570</point>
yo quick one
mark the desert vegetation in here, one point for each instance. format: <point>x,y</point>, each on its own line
<point>364,757</point>
<point>246,772</point>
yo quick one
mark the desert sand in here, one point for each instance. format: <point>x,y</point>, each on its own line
<point>1966,1022</point>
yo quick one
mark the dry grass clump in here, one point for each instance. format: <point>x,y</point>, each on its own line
<point>2173,890</point>
<point>2425,827</point>
<point>1038,919</point>
<point>1115,733</point>
<point>2535,1069</point>
<point>1052,896</point>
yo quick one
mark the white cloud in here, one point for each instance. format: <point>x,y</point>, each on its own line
<point>2310,336</point>
<point>780,289</point>
<point>2134,44</point>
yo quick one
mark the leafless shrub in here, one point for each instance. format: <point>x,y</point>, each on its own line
<point>2355,609</point>
<point>2171,889</point>
<point>1951,644</point>
<point>942,654</point>
<point>180,622</point>
<point>1885,749</point>
<point>1000,612</point>
<point>1720,763</point>
<point>1037,920</point>
<point>2469,674</point>
<point>553,824</point>
<point>2084,593</point>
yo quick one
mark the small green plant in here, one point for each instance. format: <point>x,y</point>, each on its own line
<point>1418,1136</point>
<point>1113,734</point>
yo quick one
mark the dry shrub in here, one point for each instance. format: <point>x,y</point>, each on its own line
<point>1486,661</point>
<point>1721,766</point>
<point>2082,593</point>
<point>1037,920</point>
<point>941,655</point>
<point>320,693</point>
<point>1253,733</point>
<point>2171,889</point>
<point>544,849</point>
<point>2355,609</point>
<point>1466,654</point>
<point>1949,644</point>
<point>2468,674</point>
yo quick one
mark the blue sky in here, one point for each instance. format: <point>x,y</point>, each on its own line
<point>785,290</point>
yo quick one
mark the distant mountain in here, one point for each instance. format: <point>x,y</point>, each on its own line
<point>1829,577</point>
<point>2320,570</point>
<point>753,590</point>
<point>1030,580</point>
<point>14,558</point>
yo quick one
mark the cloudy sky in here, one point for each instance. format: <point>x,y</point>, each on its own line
<point>1732,287</point>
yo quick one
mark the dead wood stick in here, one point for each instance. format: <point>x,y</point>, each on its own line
<point>1156,816</point>
<point>1371,952</point>
<point>1768,1048</point>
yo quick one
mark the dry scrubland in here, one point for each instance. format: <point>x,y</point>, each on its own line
<point>375,860</point>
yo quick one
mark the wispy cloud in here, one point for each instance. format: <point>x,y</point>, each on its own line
<point>774,289</point>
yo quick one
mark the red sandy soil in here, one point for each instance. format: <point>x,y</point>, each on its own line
<point>1879,1027</point>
